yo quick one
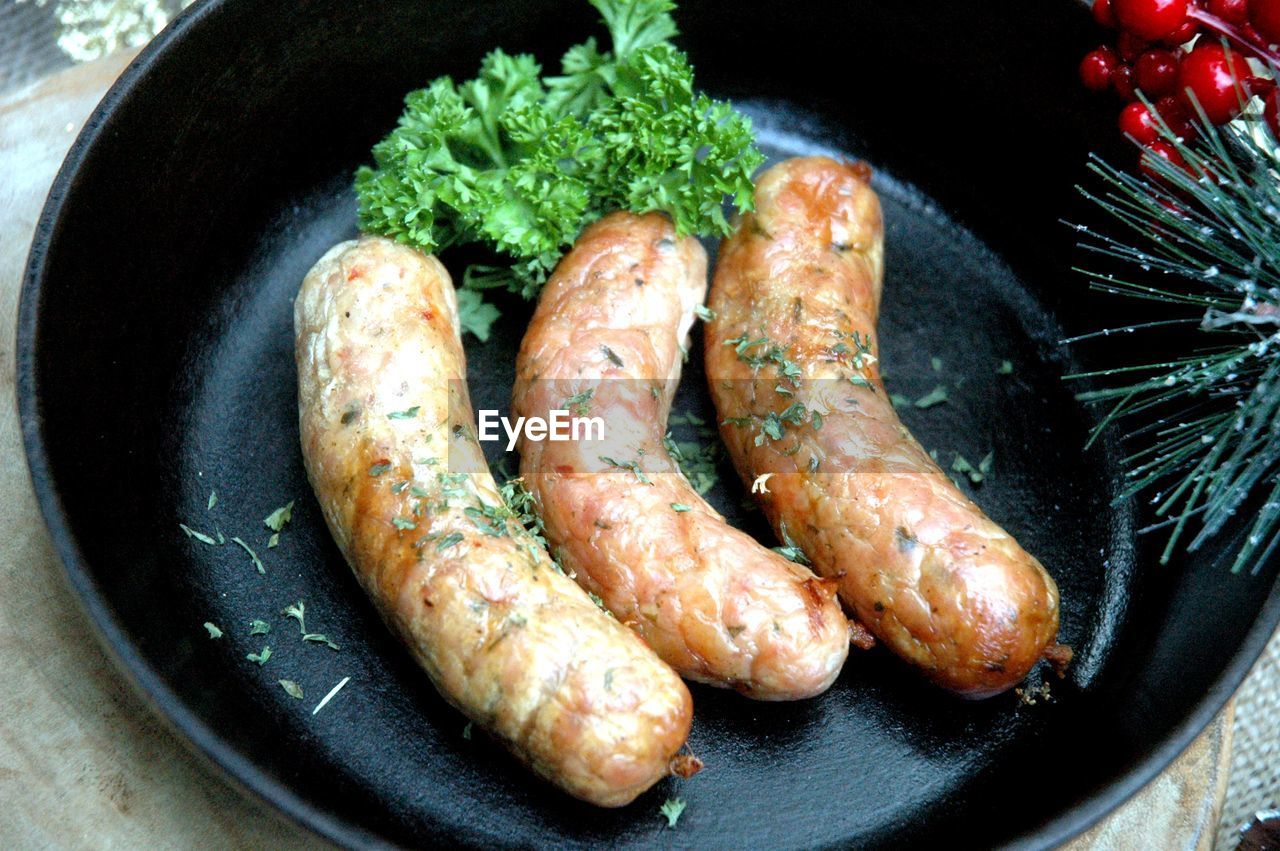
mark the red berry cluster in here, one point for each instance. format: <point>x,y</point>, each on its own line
<point>1151,56</point>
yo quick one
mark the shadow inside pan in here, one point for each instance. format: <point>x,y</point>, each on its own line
<point>158,369</point>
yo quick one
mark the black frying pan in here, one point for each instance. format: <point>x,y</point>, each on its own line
<point>155,364</point>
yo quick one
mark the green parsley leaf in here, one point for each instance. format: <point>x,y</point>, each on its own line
<point>680,507</point>
<point>633,466</point>
<point>704,313</point>
<point>466,731</point>
<point>261,656</point>
<point>257,562</point>
<point>475,315</point>
<point>213,500</point>
<point>199,536</point>
<point>522,162</point>
<point>259,627</point>
<point>448,541</point>
<point>278,519</point>
<point>401,523</point>
<point>672,809</point>
<point>297,611</point>
<point>975,474</point>
<point>936,363</point>
<point>579,402</point>
<point>408,414</point>
<point>317,638</point>
<point>214,632</point>
<point>292,689</point>
<point>936,396</point>
<point>378,469</point>
<point>790,550</point>
<point>1006,368</point>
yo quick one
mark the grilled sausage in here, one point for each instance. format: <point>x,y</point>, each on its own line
<point>796,296</point>
<point>712,602</point>
<point>510,641</point>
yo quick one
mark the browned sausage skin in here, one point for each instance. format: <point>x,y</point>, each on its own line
<point>798,282</point>
<point>506,638</point>
<point>709,599</point>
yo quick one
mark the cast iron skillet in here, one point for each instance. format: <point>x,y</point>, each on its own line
<point>155,365</point>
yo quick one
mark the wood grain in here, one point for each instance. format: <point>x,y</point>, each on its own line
<point>84,762</point>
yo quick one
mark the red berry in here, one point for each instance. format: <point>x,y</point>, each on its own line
<point>1156,72</point>
<point>1137,123</point>
<point>1265,17</point>
<point>1272,113</point>
<point>1260,86</point>
<point>1096,68</point>
<point>1102,13</point>
<point>1165,151</point>
<point>1150,19</point>
<point>1209,73</point>
<point>1175,116</point>
<point>1130,46</point>
<point>1122,82</point>
<point>1232,11</point>
<point>1182,34</point>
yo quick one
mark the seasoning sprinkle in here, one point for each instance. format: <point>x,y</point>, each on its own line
<point>328,697</point>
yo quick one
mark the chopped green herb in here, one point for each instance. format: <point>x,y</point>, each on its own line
<point>378,469</point>
<point>214,632</point>
<point>790,550</point>
<point>213,499</point>
<point>317,638</point>
<point>448,541</point>
<point>257,562</point>
<point>816,420</point>
<point>680,507</point>
<point>936,363</point>
<point>672,809</point>
<point>199,536</point>
<point>696,460</point>
<point>633,466</point>
<point>407,414</point>
<point>466,731</point>
<point>261,656</point>
<point>975,474</point>
<point>259,627</point>
<point>578,402</point>
<point>273,541</point>
<point>291,688</point>
<point>595,598</point>
<point>278,519</point>
<point>898,400</point>
<point>297,611</point>
<point>1006,368</point>
<point>936,396</point>
<point>401,523</point>
<point>475,314</point>
<point>704,313</point>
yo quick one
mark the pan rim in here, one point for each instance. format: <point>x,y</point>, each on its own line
<point>241,771</point>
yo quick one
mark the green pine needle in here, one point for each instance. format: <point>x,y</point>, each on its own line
<point>1210,434</point>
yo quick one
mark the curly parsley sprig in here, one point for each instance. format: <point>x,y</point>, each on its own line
<point>522,162</point>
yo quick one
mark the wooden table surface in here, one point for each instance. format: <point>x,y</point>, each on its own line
<point>85,762</point>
